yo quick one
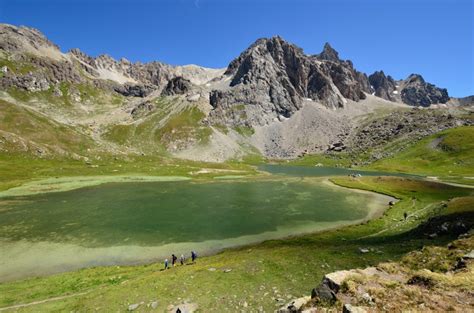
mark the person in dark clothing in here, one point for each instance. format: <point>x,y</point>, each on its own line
<point>174,258</point>
<point>193,256</point>
<point>405,215</point>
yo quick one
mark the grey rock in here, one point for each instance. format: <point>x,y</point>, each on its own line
<point>383,86</point>
<point>367,298</point>
<point>134,90</point>
<point>324,293</point>
<point>417,92</point>
<point>154,304</point>
<point>348,308</point>
<point>133,307</point>
<point>334,280</point>
<point>177,86</point>
<point>294,305</point>
<point>329,54</point>
<point>469,255</point>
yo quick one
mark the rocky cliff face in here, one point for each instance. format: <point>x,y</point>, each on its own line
<point>412,91</point>
<point>272,78</point>
<point>417,92</point>
<point>177,86</point>
<point>383,86</point>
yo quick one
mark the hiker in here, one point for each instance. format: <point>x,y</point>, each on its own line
<point>166,264</point>
<point>181,259</point>
<point>405,215</point>
<point>174,258</point>
<point>193,256</point>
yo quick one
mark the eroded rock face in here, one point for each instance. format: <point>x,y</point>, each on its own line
<point>14,39</point>
<point>412,90</point>
<point>177,86</point>
<point>417,92</point>
<point>328,53</point>
<point>134,90</point>
<point>384,86</point>
<point>272,77</point>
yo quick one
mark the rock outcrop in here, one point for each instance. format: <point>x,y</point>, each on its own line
<point>383,86</point>
<point>417,92</point>
<point>412,91</point>
<point>177,86</point>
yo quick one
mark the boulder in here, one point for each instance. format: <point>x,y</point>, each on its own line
<point>324,293</point>
<point>154,304</point>
<point>334,280</point>
<point>295,305</point>
<point>133,307</point>
<point>349,308</point>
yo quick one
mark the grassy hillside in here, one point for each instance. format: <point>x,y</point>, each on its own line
<point>27,131</point>
<point>262,276</point>
<point>168,125</point>
<point>448,154</point>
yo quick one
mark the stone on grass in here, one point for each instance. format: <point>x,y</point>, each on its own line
<point>348,308</point>
<point>133,307</point>
<point>295,305</point>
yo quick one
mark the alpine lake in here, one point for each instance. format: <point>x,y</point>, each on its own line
<point>134,221</point>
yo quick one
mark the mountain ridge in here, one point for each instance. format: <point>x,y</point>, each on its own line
<point>273,99</point>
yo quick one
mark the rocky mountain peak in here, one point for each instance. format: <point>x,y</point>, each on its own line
<point>271,49</point>
<point>415,78</point>
<point>273,77</point>
<point>329,54</point>
<point>23,40</point>
<point>383,85</point>
<point>417,92</point>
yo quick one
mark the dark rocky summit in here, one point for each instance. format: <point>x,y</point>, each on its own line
<point>383,86</point>
<point>417,92</point>
<point>412,91</point>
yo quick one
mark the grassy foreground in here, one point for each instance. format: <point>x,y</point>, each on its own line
<point>262,276</point>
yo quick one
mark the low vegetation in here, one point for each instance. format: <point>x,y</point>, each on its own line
<point>448,154</point>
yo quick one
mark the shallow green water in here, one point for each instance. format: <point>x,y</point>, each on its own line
<point>315,171</point>
<point>133,222</point>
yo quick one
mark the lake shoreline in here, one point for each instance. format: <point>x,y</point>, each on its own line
<point>91,257</point>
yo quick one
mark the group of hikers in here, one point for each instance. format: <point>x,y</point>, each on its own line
<point>182,259</point>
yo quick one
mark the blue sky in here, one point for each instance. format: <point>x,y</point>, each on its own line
<point>433,38</point>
